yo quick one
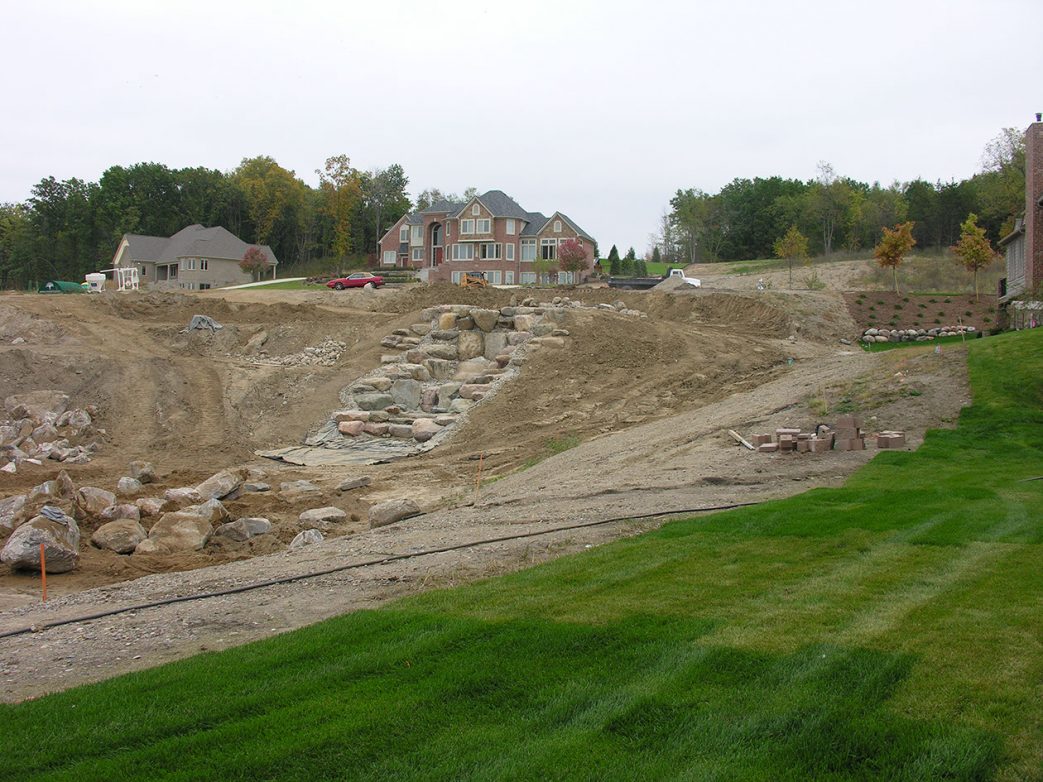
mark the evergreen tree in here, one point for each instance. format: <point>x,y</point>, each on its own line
<point>614,267</point>
<point>656,256</point>
<point>640,268</point>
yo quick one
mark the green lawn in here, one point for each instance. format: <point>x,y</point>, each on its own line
<point>891,629</point>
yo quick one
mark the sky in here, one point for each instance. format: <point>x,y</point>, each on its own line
<point>601,110</point>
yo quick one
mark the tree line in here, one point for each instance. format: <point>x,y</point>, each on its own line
<point>747,216</point>
<point>67,228</point>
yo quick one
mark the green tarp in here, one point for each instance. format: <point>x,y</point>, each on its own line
<point>61,286</point>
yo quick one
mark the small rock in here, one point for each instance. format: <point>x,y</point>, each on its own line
<point>143,471</point>
<point>351,428</point>
<point>128,486</point>
<point>307,538</point>
<point>220,485</point>
<point>354,483</point>
<point>256,487</point>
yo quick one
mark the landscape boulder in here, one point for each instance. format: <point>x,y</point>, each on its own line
<point>307,538</point>
<point>122,536</point>
<point>351,428</point>
<point>485,319</point>
<point>122,510</point>
<point>59,535</point>
<point>354,483</point>
<point>470,345</point>
<point>143,471</point>
<point>37,406</point>
<point>93,501</point>
<point>424,429</point>
<point>406,394</point>
<point>9,512</point>
<point>244,528</point>
<point>294,491</point>
<point>375,401</point>
<point>177,532</point>
<point>220,485</point>
<point>128,487</point>
<point>182,496</point>
<point>153,506</point>
<point>391,511</point>
<point>322,518</point>
<point>211,510</point>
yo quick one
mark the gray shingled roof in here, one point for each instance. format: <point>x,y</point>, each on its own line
<point>502,205</point>
<point>444,206</point>
<point>575,227</point>
<point>415,218</point>
<point>536,222</point>
<point>193,241</point>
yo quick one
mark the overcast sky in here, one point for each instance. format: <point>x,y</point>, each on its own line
<point>599,109</point>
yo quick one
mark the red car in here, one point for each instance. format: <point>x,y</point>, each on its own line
<point>355,280</point>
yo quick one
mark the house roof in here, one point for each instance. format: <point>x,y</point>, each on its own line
<point>536,222</point>
<point>444,206</point>
<point>499,203</point>
<point>193,241</point>
<point>1019,229</point>
<point>572,224</point>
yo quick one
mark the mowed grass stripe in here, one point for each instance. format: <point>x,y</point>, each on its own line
<point>890,629</point>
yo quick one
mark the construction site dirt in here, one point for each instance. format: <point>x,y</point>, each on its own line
<point>629,418</point>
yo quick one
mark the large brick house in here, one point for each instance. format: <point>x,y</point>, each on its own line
<point>195,258</point>
<point>489,233</point>
<point>1023,247</point>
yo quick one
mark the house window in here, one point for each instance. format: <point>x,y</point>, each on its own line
<point>510,226</point>
<point>528,250</point>
<point>557,226</point>
<point>509,249</point>
<point>204,264</point>
<point>485,226</point>
<point>508,278</point>
<point>448,226</point>
<point>495,277</point>
<point>389,257</point>
<point>418,234</point>
<point>418,253</point>
<point>476,210</point>
<point>467,226</point>
<point>528,278</point>
<point>463,252</point>
<point>489,251</point>
<point>564,278</point>
<point>204,286</point>
<point>403,234</point>
<point>548,249</point>
<point>457,276</point>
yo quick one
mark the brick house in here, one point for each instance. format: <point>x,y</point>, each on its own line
<point>489,233</point>
<point>195,258</point>
<point>1023,247</point>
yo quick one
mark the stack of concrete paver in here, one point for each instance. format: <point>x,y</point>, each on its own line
<point>845,435</point>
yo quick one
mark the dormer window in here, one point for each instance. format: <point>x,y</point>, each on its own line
<point>557,226</point>
<point>476,210</point>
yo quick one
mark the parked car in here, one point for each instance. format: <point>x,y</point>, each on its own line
<point>355,280</point>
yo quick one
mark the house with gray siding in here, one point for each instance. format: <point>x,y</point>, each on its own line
<point>195,258</point>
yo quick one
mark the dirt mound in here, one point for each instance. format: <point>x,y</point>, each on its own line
<point>17,324</point>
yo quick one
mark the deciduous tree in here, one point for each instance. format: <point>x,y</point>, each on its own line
<point>793,246</point>
<point>254,262</point>
<point>342,191</point>
<point>572,257</point>
<point>974,250</point>
<point>273,194</point>
<point>893,246</point>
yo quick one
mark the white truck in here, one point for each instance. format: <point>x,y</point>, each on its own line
<point>679,274</point>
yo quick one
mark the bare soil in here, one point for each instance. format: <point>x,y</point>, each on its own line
<point>630,419</point>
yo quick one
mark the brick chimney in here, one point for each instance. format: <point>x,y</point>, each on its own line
<point>1034,206</point>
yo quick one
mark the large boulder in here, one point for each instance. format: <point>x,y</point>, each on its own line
<point>9,512</point>
<point>93,501</point>
<point>354,483</point>
<point>406,394</point>
<point>123,510</point>
<point>351,428</point>
<point>485,319</point>
<point>494,344</point>
<point>153,506</point>
<point>244,529</point>
<point>220,485</point>
<point>185,495</point>
<point>444,350</point>
<point>48,490</point>
<point>38,406</point>
<point>438,368</point>
<point>211,510</point>
<point>178,531</point>
<point>470,345</point>
<point>391,511</point>
<point>322,518</point>
<point>424,429</point>
<point>375,401</point>
<point>121,536</point>
<point>307,538</point>
<point>60,537</point>
<point>525,322</point>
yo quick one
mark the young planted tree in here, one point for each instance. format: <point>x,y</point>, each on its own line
<point>572,257</point>
<point>254,262</point>
<point>614,266</point>
<point>974,250</point>
<point>793,246</point>
<point>656,255</point>
<point>893,246</point>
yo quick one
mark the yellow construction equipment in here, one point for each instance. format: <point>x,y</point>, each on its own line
<point>473,280</point>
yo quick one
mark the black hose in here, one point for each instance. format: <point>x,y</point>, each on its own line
<point>355,566</point>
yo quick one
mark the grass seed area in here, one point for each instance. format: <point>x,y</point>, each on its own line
<point>889,629</point>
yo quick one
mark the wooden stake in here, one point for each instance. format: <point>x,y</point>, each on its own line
<point>478,480</point>
<point>740,439</point>
<point>43,570</point>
